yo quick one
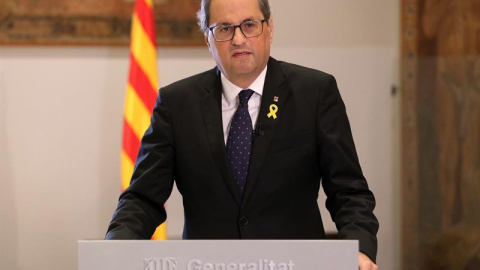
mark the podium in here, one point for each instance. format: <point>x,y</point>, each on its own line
<point>218,255</point>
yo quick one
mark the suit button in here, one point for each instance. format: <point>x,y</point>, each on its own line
<point>244,221</point>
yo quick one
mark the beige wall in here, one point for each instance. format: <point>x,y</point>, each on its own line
<point>61,115</point>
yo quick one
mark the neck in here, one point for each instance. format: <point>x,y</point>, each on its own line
<point>242,82</point>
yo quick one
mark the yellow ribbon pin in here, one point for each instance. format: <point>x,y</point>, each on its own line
<point>273,111</point>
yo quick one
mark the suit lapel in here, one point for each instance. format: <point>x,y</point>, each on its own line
<point>274,93</point>
<point>212,114</point>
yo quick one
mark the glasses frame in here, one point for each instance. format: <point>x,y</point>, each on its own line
<point>235,29</point>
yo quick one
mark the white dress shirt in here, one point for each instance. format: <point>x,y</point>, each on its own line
<point>230,100</point>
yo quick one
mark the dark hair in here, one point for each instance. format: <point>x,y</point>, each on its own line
<point>203,14</point>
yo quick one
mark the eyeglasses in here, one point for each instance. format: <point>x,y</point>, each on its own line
<point>226,32</point>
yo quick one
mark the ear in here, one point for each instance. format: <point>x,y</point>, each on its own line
<point>205,35</point>
<point>270,29</point>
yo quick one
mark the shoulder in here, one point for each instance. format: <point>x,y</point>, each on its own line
<point>304,77</point>
<point>302,72</point>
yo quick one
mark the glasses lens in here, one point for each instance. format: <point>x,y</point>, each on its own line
<point>223,32</point>
<point>252,28</point>
<point>249,29</point>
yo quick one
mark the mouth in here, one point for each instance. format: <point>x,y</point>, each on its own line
<point>241,54</point>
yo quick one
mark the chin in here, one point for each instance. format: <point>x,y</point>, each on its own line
<point>243,72</point>
<point>243,69</point>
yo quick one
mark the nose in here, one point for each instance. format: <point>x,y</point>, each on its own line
<point>238,37</point>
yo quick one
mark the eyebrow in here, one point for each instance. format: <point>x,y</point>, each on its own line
<point>227,23</point>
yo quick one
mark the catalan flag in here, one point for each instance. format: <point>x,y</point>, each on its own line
<point>142,90</point>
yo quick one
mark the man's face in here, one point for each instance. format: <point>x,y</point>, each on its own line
<point>240,59</point>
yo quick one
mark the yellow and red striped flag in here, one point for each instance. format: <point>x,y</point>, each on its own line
<point>142,90</point>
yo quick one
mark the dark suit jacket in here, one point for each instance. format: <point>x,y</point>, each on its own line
<point>309,143</point>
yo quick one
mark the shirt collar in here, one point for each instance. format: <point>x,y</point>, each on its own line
<point>230,91</point>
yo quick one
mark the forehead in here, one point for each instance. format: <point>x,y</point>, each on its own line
<point>234,11</point>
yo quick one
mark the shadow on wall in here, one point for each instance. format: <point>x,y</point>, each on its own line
<point>8,220</point>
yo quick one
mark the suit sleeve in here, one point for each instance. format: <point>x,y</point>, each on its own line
<point>349,200</point>
<point>141,206</point>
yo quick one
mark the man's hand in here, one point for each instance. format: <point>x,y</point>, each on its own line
<point>364,262</point>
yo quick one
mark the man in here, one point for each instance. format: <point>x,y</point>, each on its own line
<point>241,182</point>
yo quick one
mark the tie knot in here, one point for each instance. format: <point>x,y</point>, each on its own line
<point>244,96</point>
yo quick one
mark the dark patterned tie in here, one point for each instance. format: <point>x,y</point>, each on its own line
<point>239,142</point>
